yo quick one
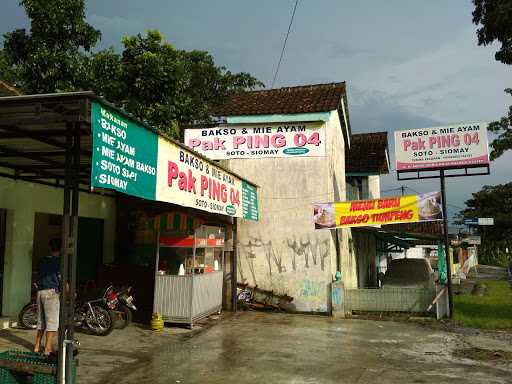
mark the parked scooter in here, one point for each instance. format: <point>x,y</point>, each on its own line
<point>91,313</point>
<point>27,317</point>
<point>120,302</point>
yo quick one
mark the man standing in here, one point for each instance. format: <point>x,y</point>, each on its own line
<point>48,301</point>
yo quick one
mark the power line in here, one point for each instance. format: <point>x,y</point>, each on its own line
<point>392,189</point>
<point>284,45</point>
<point>412,189</point>
<point>455,206</point>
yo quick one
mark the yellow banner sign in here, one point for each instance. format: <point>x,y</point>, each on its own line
<point>388,210</point>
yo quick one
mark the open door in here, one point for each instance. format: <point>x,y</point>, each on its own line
<point>89,243</point>
<point>89,249</point>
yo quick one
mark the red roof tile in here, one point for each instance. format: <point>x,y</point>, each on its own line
<point>288,100</point>
<point>426,228</point>
<point>367,153</point>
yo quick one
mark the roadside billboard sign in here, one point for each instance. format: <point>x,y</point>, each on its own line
<point>258,141</point>
<point>452,146</point>
<point>472,240</point>
<point>133,160</point>
<point>389,210</point>
<point>479,221</point>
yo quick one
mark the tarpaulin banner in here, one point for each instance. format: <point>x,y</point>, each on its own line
<point>134,160</point>
<point>454,146</point>
<point>388,210</point>
<point>258,141</point>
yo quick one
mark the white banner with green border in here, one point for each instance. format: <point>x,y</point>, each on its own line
<point>136,161</point>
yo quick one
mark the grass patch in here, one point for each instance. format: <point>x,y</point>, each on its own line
<point>482,354</point>
<point>491,311</point>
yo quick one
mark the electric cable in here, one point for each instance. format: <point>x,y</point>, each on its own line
<point>284,44</point>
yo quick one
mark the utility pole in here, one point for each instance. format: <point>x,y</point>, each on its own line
<point>447,245</point>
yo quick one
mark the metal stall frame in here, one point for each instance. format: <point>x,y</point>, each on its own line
<point>43,139</point>
<point>160,303</point>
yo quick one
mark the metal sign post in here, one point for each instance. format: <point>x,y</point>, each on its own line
<point>68,255</point>
<point>447,245</point>
<point>419,174</point>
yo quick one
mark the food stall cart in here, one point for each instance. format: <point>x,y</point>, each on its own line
<point>189,275</point>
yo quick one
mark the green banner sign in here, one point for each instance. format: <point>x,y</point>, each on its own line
<point>124,154</point>
<point>133,160</point>
<point>250,202</point>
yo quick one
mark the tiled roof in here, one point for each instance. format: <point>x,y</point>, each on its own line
<point>434,228</point>
<point>367,153</point>
<point>8,90</point>
<point>302,99</point>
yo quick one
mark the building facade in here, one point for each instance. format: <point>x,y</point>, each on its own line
<point>283,252</point>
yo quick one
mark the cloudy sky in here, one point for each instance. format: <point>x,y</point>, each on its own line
<point>407,63</point>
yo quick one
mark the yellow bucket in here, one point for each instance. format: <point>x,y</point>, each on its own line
<point>157,323</point>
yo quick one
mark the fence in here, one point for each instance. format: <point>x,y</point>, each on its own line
<point>388,299</point>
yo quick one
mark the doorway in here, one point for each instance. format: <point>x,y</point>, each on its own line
<point>89,243</point>
<point>89,249</point>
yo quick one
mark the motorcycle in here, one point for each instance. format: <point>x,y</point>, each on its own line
<point>91,313</point>
<point>120,302</point>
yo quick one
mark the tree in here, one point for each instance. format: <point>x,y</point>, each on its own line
<point>495,18</point>
<point>162,85</point>
<point>52,56</point>
<point>151,79</point>
<point>493,201</point>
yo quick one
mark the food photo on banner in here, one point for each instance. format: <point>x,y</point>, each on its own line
<point>324,215</point>
<point>389,210</point>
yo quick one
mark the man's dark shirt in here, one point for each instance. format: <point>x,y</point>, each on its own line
<point>49,273</point>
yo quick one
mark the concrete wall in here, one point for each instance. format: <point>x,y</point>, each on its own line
<point>364,243</point>
<point>22,200</point>
<point>374,187</point>
<point>283,252</point>
<point>366,253</point>
<point>371,187</point>
<point>411,253</point>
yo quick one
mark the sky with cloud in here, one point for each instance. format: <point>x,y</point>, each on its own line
<point>408,64</point>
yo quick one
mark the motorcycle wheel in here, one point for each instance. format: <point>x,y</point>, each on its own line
<point>28,316</point>
<point>102,323</point>
<point>123,317</point>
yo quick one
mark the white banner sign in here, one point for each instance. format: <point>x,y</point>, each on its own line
<point>258,141</point>
<point>133,160</point>
<point>453,146</point>
<point>187,180</point>
<point>486,221</point>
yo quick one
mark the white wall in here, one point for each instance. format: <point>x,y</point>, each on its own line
<point>412,253</point>
<point>374,187</point>
<point>22,200</point>
<point>283,252</point>
<point>366,253</point>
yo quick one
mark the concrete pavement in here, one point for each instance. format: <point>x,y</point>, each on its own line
<point>253,347</point>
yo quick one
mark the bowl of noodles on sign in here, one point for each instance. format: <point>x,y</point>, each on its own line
<point>430,206</point>
<point>324,216</point>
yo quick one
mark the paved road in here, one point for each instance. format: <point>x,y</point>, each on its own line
<point>253,347</point>
<point>277,348</point>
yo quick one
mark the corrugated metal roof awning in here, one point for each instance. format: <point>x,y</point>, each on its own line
<point>34,131</point>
